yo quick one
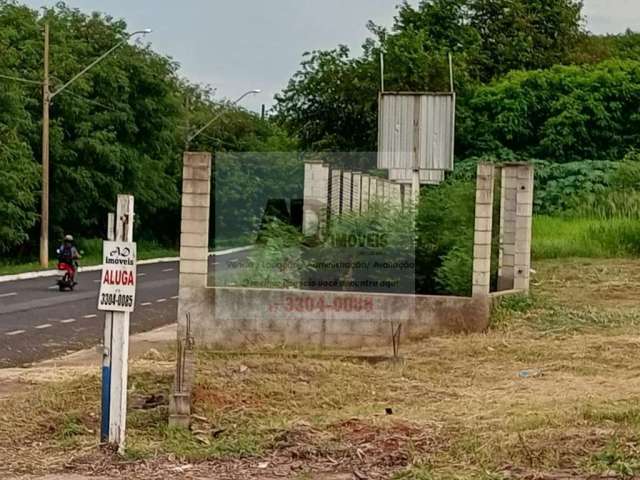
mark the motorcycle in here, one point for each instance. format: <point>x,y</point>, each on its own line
<point>66,281</point>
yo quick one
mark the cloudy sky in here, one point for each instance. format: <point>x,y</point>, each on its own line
<point>239,45</point>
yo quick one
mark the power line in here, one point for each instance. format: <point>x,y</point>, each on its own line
<point>88,100</point>
<point>18,79</point>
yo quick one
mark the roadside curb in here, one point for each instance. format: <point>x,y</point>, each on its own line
<point>95,268</point>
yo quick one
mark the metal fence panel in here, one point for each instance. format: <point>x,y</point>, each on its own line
<point>416,130</point>
<point>427,177</point>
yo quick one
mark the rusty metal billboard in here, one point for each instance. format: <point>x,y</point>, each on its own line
<point>416,131</point>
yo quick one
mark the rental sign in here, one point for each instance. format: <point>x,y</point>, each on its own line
<point>118,280</point>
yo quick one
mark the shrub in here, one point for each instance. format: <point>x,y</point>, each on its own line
<point>445,223</point>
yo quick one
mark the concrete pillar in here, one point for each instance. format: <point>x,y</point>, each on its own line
<point>194,229</point>
<point>383,190</point>
<point>364,193</point>
<point>356,192</point>
<point>373,190</point>
<point>347,183</point>
<point>192,283</point>
<point>482,233</point>
<point>524,213</point>
<point>507,250</point>
<point>395,194</point>
<point>516,208</point>
<point>316,192</point>
<point>407,197</point>
<point>336,192</point>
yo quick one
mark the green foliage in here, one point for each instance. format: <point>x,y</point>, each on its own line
<point>616,457</point>
<point>277,261</point>
<point>445,237</point>
<point>564,237</point>
<point>377,248</point>
<point>559,186</point>
<point>18,180</point>
<point>330,103</point>
<point>564,114</point>
<point>119,128</point>
<point>454,274</point>
<point>243,185</point>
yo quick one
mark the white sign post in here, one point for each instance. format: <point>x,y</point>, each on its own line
<point>117,297</point>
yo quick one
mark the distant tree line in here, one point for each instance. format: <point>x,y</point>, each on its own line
<point>530,80</point>
<point>119,128</point>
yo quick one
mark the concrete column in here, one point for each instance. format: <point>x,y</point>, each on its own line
<point>347,183</point>
<point>524,213</point>
<point>383,190</point>
<point>356,192</point>
<point>407,197</point>
<point>373,190</point>
<point>395,194</point>
<point>316,192</point>
<point>193,309</point>
<point>507,250</point>
<point>194,229</point>
<point>336,192</point>
<point>364,193</point>
<point>483,227</point>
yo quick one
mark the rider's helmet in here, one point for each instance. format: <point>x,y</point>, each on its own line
<point>68,238</point>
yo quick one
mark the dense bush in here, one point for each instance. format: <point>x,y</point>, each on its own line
<point>562,114</point>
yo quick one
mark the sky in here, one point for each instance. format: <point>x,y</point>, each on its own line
<point>241,45</point>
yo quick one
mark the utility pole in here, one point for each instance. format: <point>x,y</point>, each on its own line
<point>47,96</point>
<point>44,212</point>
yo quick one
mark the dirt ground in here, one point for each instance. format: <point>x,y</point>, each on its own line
<point>550,391</point>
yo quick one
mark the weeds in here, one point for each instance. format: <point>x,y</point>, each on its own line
<point>565,237</point>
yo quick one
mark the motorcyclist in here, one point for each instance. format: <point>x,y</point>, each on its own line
<point>68,254</point>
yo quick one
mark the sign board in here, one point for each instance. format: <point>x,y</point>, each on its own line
<point>416,131</point>
<point>118,280</point>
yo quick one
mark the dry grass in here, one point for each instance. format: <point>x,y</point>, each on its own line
<point>459,408</point>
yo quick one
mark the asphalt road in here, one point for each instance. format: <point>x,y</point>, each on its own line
<point>38,322</point>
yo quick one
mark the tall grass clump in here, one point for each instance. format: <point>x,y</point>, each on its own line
<point>562,237</point>
<point>602,222</point>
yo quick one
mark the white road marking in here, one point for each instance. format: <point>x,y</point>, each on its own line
<point>141,274</point>
<point>53,287</point>
<point>15,332</point>
<point>8,294</point>
<point>44,325</point>
<point>93,315</point>
<point>168,270</point>
<point>215,263</point>
<point>68,320</point>
<point>160,300</point>
<point>174,297</point>
<point>145,304</point>
<point>96,281</point>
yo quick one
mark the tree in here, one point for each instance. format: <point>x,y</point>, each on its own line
<point>524,34</point>
<point>119,128</point>
<point>563,114</point>
<point>331,102</point>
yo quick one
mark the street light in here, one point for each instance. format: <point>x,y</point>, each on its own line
<point>47,96</point>
<point>206,125</point>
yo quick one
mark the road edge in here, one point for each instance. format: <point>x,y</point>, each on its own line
<point>94,268</point>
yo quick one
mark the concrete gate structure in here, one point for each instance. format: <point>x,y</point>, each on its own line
<point>235,317</point>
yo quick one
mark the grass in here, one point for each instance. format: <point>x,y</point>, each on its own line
<point>565,237</point>
<point>459,408</point>
<point>92,255</point>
